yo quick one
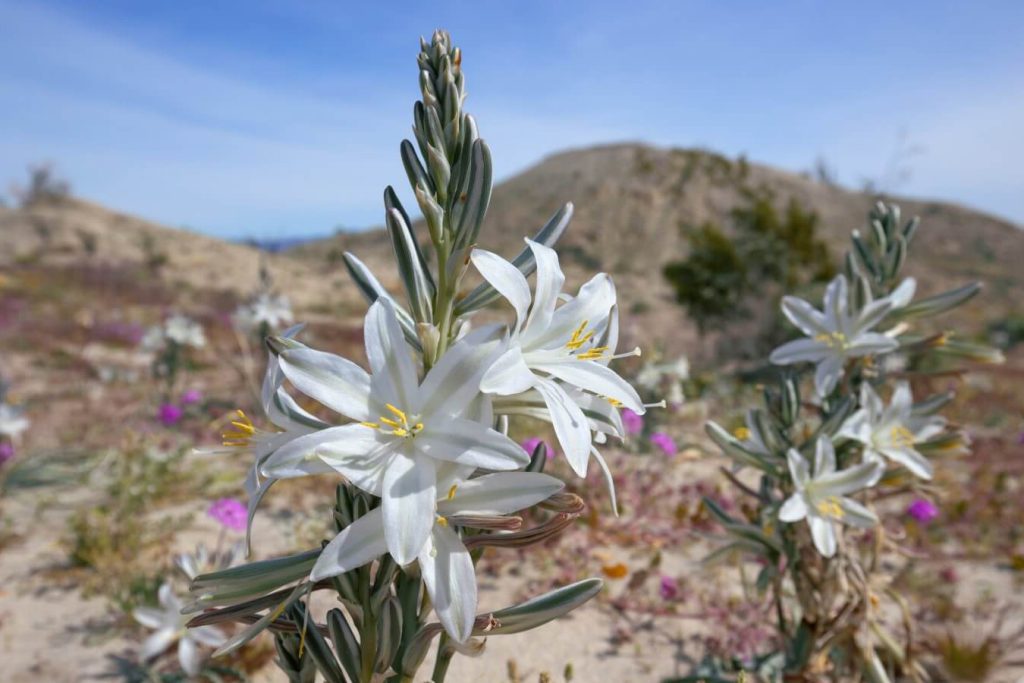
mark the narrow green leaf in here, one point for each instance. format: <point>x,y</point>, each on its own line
<point>543,608</point>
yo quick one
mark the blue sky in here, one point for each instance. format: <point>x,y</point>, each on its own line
<point>249,117</point>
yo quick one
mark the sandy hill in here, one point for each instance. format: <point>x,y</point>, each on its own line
<point>632,199</point>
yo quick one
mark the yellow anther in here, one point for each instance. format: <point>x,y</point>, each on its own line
<point>243,432</point>
<point>397,413</point>
<point>741,433</point>
<point>451,491</point>
<point>400,431</point>
<point>615,403</point>
<point>443,521</point>
<point>901,436</point>
<point>593,354</point>
<point>832,339</point>
<point>578,339</point>
<point>389,422</point>
<point>371,425</point>
<point>418,427</point>
<point>830,508</point>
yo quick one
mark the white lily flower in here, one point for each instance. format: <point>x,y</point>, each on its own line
<point>169,623</point>
<point>838,334</point>
<point>890,432</point>
<point>184,331</point>
<point>283,412</point>
<point>549,345</point>
<point>266,309</point>
<point>406,433</point>
<point>445,563</point>
<point>12,421</point>
<point>821,497</point>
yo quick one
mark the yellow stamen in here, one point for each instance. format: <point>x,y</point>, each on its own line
<point>400,431</point>
<point>832,339</point>
<point>390,422</point>
<point>830,508</point>
<point>578,338</point>
<point>398,413</point>
<point>593,354</point>
<point>243,432</point>
<point>371,425</point>
<point>615,403</point>
<point>418,427</point>
<point>442,520</point>
<point>741,433</point>
<point>901,436</point>
<point>451,491</point>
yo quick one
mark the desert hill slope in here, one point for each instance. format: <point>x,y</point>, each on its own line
<point>631,200</point>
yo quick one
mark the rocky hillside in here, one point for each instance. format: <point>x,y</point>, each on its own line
<point>632,200</point>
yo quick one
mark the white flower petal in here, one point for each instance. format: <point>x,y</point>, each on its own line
<point>299,457</point>
<point>794,509</point>
<point>455,380</point>
<point>592,305</point>
<point>850,480</point>
<point>470,443</point>
<point>500,493</point>
<point>159,641</point>
<point>856,514</point>
<point>390,356</point>
<point>150,617</point>
<point>408,498</point>
<point>570,425</point>
<point>609,481</point>
<point>189,657</point>
<point>508,375</point>
<point>804,316</point>
<point>870,343</point>
<point>339,384</point>
<point>904,293</point>
<point>506,279</point>
<point>549,285</point>
<point>824,457</point>
<point>911,459</point>
<point>798,468</point>
<point>823,534</point>
<point>827,374</point>
<point>447,571</point>
<point>595,378</point>
<point>208,635</point>
<point>360,542</point>
<point>365,471</point>
<point>835,304</point>
<point>800,351</point>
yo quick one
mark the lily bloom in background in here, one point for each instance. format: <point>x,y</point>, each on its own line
<point>12,421</point>
<point>169,414</point>
<point>231,513</point>
<point>632,422</point>
<point>821,497</point>
<point>836,333</point>
<point>665,443</point>
<point>923,511</point>
<point>169,623</point>
<point>890,432</point>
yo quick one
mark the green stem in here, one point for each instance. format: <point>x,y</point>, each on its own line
<point>367,632</point>
<point>445,652</point>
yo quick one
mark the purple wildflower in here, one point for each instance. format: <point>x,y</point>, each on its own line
<point>631,422</point>
<point>923,510</point>
<point>530,445</point>
<point>669,588</point>
<point>169,414</point>
<point>6,452</point>
<point>230,512</point>
<point>664,442</point>
<point>191,396</point>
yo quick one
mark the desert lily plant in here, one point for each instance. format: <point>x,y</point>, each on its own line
<point>171,342</point>
<point>820,471</point>
<point>264,314</point>
<point>429,478</point>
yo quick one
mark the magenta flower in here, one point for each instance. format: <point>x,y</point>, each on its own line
<point>6,452</point>
<point>669,588</point>
<point>631,422</point>
<point>923,510</point>
<point>191,396</point>
<point>230,512</point>
<point>665,443</point>
<point>530,445</point>
<point>169,414</point>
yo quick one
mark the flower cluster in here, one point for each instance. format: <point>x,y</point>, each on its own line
<point>825,462</point>
<point>177,329</point>
<point>266,312</point>
<point>420,436</point>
